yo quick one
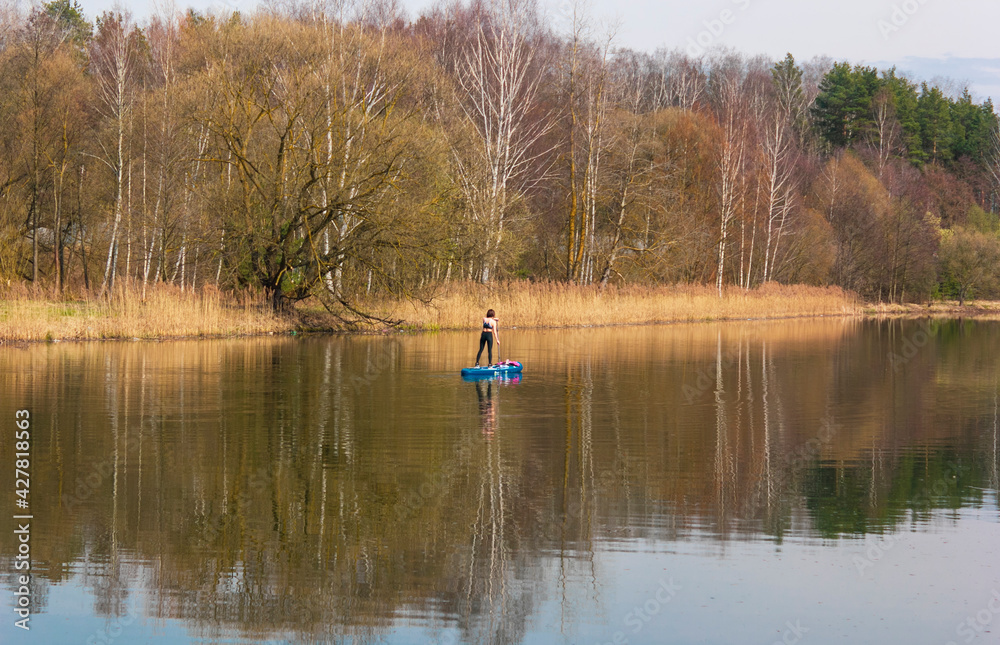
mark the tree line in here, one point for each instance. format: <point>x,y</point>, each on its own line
<point>342,151</point>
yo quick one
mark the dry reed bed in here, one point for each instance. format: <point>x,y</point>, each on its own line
<point>978,309</point>
<point>166,312</point>
<point>558,305</point>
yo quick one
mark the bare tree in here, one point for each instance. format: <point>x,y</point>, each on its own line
<point>779,149</point>
<point>587,97</point>
<point>886,137</point>
<point>115,58</point>
<point>733,113</point>
<point>358,87</point>
<point>684,81</point>
<point>674,79</point>
<point>629,168</point>
<point>498,88</point>
<point>39,41</point>
<point>993,160</point>
<point>161,147</point>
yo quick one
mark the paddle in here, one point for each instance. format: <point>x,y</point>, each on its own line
<point>499,358</point>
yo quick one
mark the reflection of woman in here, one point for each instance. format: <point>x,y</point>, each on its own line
<point>487,410</point>
<point>488,336</point>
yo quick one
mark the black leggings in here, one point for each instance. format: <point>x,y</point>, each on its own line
<point>485,340</point>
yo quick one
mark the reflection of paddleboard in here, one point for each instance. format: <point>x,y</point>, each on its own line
<point>500,369</point>
<point>506,379</point>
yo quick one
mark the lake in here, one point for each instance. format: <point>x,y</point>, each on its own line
<point>813,481</point>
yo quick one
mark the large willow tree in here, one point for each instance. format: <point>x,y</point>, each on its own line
<point>308,127</point>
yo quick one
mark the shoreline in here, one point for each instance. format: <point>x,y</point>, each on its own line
<point>976,309</point>
<point>170,315</point>
<point>9,342</point>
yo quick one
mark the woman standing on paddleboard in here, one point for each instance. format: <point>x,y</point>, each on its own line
<point>488,336</point>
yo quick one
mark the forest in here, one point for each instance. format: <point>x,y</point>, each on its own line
<point>344,151</point>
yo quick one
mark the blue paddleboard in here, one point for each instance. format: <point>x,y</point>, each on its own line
<point>500,369</point>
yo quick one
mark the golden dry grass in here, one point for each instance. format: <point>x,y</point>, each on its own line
<point>522,304</point>
<point>978,309</point>
<point>166,312</point>
<point>26,315</point>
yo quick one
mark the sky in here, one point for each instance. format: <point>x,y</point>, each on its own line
<point>924,39</point>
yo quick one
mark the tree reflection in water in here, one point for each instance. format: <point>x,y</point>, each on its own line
<point>329,488</point>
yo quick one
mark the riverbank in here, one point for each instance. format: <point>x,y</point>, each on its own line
<point>167,312</point>
<point>978,309</point>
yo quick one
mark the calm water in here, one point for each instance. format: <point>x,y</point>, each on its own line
<point>815,482</point>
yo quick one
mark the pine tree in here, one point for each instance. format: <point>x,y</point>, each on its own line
<point>934,114</point>
<point>843,108</point>
<point>904,95</point>
<point>831,107</point>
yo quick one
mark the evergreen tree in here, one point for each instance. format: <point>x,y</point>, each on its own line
<point>972,125</point>
<point>934,114</point>
<point>832,103</point>
<point>904,95</point>
<point>69,18</point>
<point>844,104</point>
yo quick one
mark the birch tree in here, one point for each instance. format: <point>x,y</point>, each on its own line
<point>680,81</point>
<point>115,57</point>
<point>498,88</point>
<point>587,78</point>
<point>358,89</point>
<point>734,121</point>
<point>886,132</point>
<point>779,157</point>
<point>162,148</point>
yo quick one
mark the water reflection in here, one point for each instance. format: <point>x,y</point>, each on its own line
<point>353,486</point>
<point>487,409</point>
